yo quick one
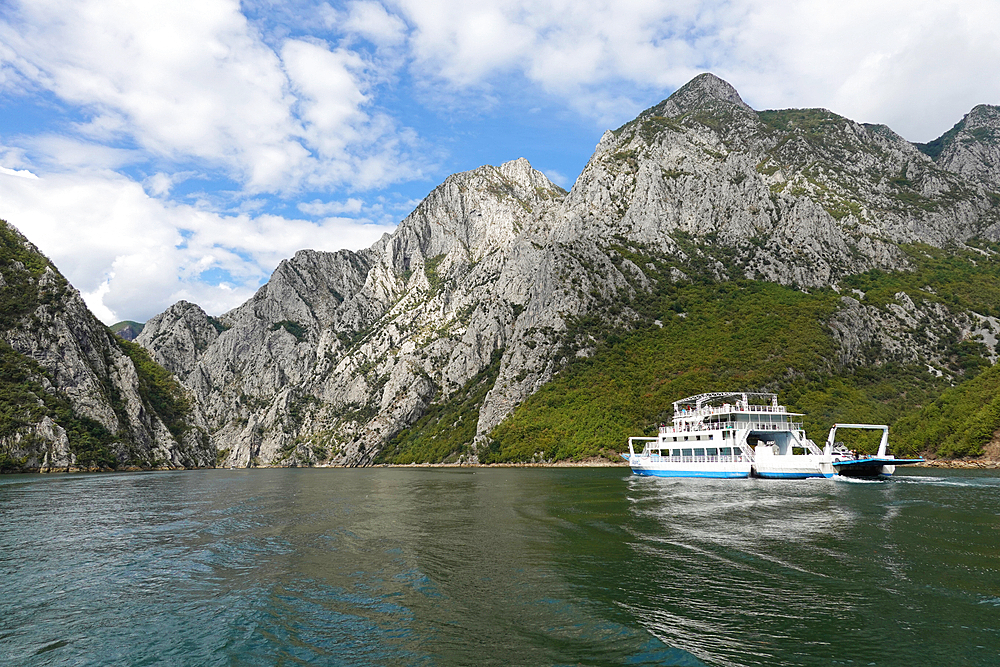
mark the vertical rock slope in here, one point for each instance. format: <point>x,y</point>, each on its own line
<point>74,395</point>
<point>338,351</point>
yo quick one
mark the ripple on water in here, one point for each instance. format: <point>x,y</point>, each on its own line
<point>391,566</point>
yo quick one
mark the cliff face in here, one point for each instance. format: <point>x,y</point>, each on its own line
<point>73,395</point>
<point>800,196</point>
<point>484,280</point>
<point>340,349</point>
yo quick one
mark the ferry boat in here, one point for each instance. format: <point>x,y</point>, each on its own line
<point>739,434</point>
<point>712,435</point>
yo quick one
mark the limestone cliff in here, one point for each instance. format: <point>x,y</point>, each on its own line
<point>73,395</point>
<point>340,351</point>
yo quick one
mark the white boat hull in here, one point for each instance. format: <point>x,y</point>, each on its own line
<point>709,469</point>
<point>797,466</point>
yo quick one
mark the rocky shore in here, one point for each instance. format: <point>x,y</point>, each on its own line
<point>985,464</point>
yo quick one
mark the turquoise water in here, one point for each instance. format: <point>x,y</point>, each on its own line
<point>497,566</point>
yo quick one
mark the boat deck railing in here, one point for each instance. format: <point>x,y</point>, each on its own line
<point>753,426</point>
<point>730,409</point>
<point>737,458</point>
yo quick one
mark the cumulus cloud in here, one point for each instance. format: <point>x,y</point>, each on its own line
<point>193,80</point>
<point>917,65</point>
<point>373,22</point>
<point>321,208</point>
<point>21,173</point>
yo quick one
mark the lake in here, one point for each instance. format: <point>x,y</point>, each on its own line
<point>497,566</point>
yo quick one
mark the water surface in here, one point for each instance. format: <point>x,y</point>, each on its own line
<point>497,566</point>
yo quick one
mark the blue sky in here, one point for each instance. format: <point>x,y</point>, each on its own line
<point>159,151</point>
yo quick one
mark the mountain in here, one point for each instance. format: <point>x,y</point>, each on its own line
<point>73,395</point>
<point>127,329</point>
<point>426,345</point>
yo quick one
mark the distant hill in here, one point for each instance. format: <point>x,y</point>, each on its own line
<point>127,329</point>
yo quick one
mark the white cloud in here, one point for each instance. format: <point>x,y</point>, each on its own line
<point>556,177</point>
<point>373,22</point>
<point>320,208</point>
<point>917,65</point>
<point>21,173</point>
<point>192,80</point>
<point>160,184</point>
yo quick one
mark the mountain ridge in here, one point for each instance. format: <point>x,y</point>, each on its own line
<point>429,342</point>
<point>499,260</point>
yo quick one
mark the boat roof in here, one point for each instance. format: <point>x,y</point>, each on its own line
<point>700,400</point>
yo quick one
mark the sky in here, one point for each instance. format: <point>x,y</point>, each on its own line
<point>165,150</point>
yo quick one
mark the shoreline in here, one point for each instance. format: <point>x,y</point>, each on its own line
<point>959,464</point>
<point>953,464</point>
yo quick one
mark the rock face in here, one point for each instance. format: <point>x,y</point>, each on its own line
<point>340,351</point>
<point>972,147</point>
<point>74,396</point>
<point>126,330</point>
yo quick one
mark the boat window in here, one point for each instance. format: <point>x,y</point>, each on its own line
<point>713,451</point>
<point>685,452</point>
<point>685,437</point>
<point>727,451</point>
<point>699,452</point>
<point>711,436</point>
<point>675,452</point>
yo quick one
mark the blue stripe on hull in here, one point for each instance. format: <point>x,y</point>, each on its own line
<point>691,473</point>
<point>791,475</point>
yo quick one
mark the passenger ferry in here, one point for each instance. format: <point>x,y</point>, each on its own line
<point>738,434</point>
<point>713,435</point>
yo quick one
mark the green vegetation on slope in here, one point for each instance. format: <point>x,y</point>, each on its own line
<point>935,147</point>
<point>25,401</point>
<point>127,329</point>
<point>159,389</point>
<point>20,294</point>
<point>758,336</point>
<point>813,123</point>
<point>447,429</point>
<point>733,336</point>
<point>697,336</point>
<point>960,422</point>
<point>291,327</point>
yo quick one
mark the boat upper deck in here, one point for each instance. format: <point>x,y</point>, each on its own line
<point>731,410</point>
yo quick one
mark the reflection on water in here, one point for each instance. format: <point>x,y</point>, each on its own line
<point>507,566</point>
<point>818,571</point>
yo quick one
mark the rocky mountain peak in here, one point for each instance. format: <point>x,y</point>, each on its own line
<point>474,211</point>
<point>521,172</point>
<point>972,147</point>
<point>983,115</point>
<point>705,90</point>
